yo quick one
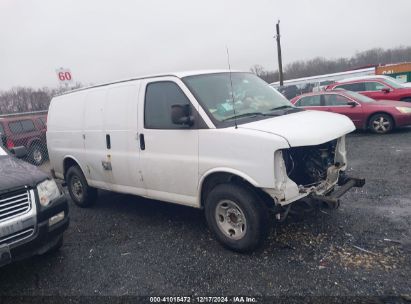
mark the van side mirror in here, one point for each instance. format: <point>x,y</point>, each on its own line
<point>180,114</point>
<point>352,103</point>
<point>385,90</point>
<point>19,152</point>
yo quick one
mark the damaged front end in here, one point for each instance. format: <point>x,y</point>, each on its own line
<point>317,172</point>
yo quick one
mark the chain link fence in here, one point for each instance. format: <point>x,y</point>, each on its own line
<point>27,130</point>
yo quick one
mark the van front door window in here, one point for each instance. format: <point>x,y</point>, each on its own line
<point>160,96</point>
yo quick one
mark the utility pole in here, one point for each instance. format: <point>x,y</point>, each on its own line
<point>280,60</point>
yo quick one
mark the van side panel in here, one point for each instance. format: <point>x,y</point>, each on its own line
<point>65,130</point>
<point>80,124</point>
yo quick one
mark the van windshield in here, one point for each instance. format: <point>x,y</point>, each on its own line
<point>241,95</point>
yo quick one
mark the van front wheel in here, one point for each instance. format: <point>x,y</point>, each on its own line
<point>237,218</point>
<point>80,192</point>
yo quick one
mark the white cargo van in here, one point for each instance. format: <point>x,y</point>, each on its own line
<point>223,141</point>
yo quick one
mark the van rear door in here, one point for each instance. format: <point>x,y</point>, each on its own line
<point>121,129</point>
<point>110,129</point>
<point>94,138</point>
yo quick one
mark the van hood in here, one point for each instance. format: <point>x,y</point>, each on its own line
<point>15,173</point>
<point>305,128</point>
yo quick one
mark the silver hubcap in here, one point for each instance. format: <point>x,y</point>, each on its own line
<point>230,219</point>
<point>77,188</point>
<point>37,156</point>
<point>381,124</point>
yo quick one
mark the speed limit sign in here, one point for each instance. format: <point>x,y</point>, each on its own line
<point>64,75</point>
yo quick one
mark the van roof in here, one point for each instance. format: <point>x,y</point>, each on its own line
<point>175,74</point>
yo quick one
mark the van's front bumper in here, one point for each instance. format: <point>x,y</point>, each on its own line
<point>329,190</point>
<point>333,198</point>
<point>49,229</point>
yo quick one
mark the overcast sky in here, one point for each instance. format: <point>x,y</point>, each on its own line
<point>101,40</point>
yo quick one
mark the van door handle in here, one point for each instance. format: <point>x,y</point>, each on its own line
<point>142,142</point>
<point>108,141</point>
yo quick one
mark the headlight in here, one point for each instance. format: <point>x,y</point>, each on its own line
<point>47,191</point>
<point>405,110</point>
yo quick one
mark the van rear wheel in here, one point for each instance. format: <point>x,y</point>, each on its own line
<point>80,192</point>
<point>237,218</point>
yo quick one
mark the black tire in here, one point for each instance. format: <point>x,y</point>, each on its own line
<point>381,123</point>
<point>251,232</point>
<point>408,99</point>
<point>37,155</point>
<point>80,192</point>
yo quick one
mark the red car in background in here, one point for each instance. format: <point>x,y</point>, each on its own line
<point>366,113</point>
<point>377,87</point>
<point>28,131</point>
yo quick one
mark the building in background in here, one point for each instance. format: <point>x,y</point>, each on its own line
<point>400,71</point>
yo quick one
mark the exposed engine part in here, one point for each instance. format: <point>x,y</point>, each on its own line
<point>308,165</point>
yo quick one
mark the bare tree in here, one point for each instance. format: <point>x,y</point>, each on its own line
<point>257,69</point>
<point>25,99</point>
<point>320,65</point>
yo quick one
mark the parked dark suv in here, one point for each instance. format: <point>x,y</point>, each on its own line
<point>28,131</point>
<point>33,209</point>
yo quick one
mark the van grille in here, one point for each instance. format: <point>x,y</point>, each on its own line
<point>17,236</point>
<point>14,203</point>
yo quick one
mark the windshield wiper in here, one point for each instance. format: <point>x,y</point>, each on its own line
<point>282,107</point>
<point>244,115</point>
<point>251,114</point>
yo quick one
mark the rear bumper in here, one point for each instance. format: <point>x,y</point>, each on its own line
<point>46,235</point>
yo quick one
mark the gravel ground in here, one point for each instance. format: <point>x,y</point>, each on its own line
<point>127,245</point>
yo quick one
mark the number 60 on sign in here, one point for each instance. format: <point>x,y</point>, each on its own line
<point>64,75</point>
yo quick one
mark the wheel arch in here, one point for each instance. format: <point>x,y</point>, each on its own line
<point>68,162</point>
<point>218,176</point>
